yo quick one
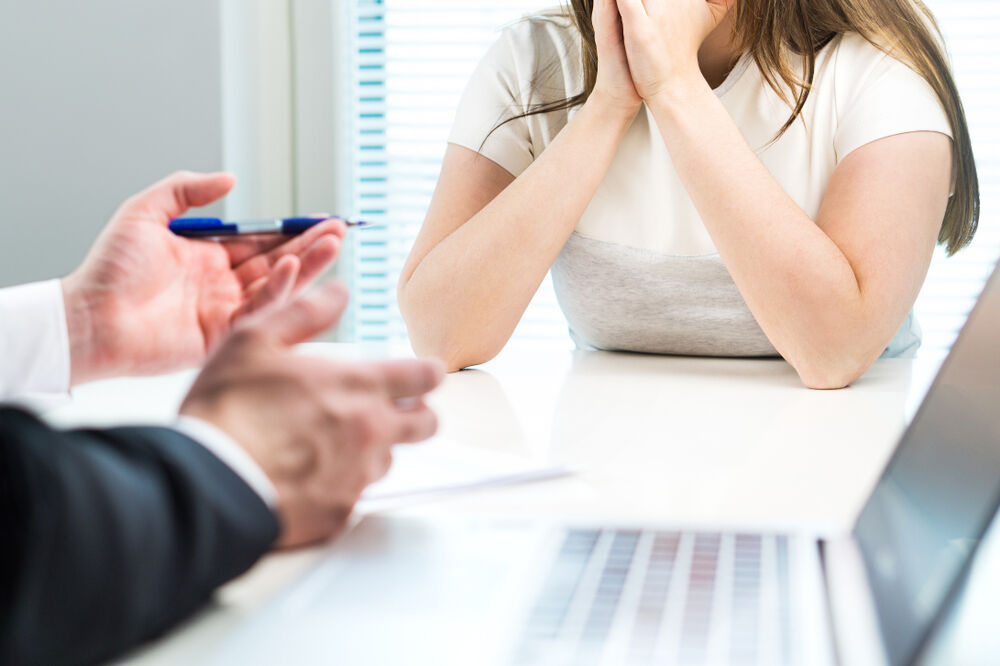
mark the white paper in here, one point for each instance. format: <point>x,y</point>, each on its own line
<point>441,467</point>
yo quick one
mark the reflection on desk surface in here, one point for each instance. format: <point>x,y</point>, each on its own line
<point>722,441</point>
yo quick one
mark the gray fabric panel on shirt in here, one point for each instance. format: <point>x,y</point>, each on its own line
<point>620,298</point>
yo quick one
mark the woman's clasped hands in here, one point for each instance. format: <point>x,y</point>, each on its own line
<point>646,48</point>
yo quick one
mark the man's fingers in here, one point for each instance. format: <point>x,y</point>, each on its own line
<point>305,317</point>
<point>408,378</point>
<point>385,464</point>
<point>316,260</point>
<point>294,245</point>
<point>272,289</point>
<point>254,258</point>
<point>175,194</point>
<point>414,425</point>
<point>247,247</point>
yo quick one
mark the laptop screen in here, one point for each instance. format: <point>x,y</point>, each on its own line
<point>941,489</point>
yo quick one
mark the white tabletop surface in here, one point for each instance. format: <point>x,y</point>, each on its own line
<point>681,441</point>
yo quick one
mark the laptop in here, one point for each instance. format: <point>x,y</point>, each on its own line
<point>513,592</point>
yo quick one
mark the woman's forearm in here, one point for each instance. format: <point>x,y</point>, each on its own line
<point>462,301</point>
<point>798,283</point>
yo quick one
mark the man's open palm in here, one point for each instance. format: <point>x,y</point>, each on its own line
<point>147,301</point>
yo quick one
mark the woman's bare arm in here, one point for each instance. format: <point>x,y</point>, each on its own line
<point>489,239</point>
<point>830,293</point>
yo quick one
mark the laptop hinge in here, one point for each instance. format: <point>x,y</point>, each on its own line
<point>856,632</point>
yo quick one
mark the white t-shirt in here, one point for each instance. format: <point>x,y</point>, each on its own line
<point>859,95</point>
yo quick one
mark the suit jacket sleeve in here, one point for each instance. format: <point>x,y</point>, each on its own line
<point>109,537</point>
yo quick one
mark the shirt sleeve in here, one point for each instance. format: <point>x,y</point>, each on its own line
<point>879,96</point>
<point>35,369</point>
<point>225,448</point>
<point>493,96</point>
<point>34,343</point>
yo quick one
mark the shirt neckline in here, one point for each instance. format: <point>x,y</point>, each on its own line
<point>739,69</point>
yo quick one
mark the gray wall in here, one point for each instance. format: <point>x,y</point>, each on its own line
<point>98,98</point>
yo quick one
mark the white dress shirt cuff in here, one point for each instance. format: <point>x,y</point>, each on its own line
<point>34,342</point>
<point>225,448</point>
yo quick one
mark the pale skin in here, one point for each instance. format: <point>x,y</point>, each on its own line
<point>146,301</point>
<point>321,430</point>
<point>829,292</point>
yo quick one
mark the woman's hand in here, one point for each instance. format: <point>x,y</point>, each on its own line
<point>662,39</point>
<point>614,80</point>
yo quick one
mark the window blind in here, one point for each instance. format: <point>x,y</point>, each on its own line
<point>411,61</point>
<point>953,283</point>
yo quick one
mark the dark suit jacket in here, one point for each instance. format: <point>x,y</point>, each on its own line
<point>109,537</point>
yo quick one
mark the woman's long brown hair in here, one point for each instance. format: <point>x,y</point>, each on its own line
<point>777,33</point>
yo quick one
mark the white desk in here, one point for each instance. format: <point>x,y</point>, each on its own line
<point>725,443</point>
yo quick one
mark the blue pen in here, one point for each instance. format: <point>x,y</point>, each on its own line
<point>213,227</point>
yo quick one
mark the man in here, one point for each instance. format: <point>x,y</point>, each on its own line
<point>109,537</point>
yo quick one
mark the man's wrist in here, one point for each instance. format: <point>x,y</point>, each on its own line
<point>87,361</point>
<point>222,445</point>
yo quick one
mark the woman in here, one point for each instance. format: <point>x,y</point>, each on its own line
<point>726,178</point>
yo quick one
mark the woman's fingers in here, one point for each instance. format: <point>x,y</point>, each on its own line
<point>718,10</point>
<point>603,11</point>
<point>632,11</point>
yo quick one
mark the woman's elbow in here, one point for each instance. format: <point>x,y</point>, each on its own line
<point>430,339</point>
<point>455,355</point>
<point>831,373</point>
<point>455,351</point>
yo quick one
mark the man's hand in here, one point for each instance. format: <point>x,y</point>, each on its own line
<point>146,301</point>
<point>321,430</point>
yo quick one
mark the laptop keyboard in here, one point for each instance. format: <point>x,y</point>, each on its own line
<point>645,597</point>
